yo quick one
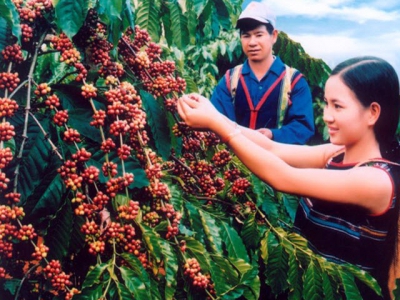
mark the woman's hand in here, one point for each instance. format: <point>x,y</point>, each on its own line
<point>198,112</point>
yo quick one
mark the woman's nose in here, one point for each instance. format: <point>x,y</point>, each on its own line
<point>327,116</point>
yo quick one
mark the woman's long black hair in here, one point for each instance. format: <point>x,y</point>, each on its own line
<point>373,79</point>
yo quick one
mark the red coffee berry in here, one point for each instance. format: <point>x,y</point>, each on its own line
<point>71,136</point>
<point>61,117</point>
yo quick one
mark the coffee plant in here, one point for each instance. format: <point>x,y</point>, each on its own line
<point>106,194</point>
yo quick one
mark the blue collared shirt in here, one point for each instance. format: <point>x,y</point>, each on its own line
<point>298,124</point>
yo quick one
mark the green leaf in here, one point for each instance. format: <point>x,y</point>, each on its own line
<point>157,121</point>
<point>223,274</point>
<point>312,288</point>
<point>179,29</point>
<point>136,266</point>
<point>48,195</point>
<point>251,281</point>
<point>198,6</point>
<point>152,241</point>
<point>211,229</point>
<point>303,253</point>
<point>94,292</point>
<point>4,33</point>
<point>233,243</point>
<point>290,203</point>
<point>176,197</point>
<point>127,14</point>
<point>49,69</point>
<point>264,247</point>
<point>223,14</point>
<point>93,276</point>
<point>349,285</point>
<point>191,86</point>
<point>133,282</point>
<point>196,249</point>
<point>195,221</point>
<point>78,119</point>
<point>171,268</point>
<point>147,17</point>
<point>9,13</point>
<point>59,233</point>
<point>123,292</point>
<point>364,277</point>
<point>70,15</point>
<point>328,287</point>
<point>40,187</point>
<point>295,277</point>
<point>250,232</point>
<point>11,285</point>
<point>277,269</point>
<point>111,12</point>
<point>396,292</point>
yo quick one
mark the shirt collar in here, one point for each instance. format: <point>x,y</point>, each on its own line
<point>276,67</point>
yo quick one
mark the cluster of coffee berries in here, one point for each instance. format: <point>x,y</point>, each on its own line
<point>129,212</point>
<point>58,279</point>
<point>9,81</point>
<point>10,230</point>
<point>12,53</point>
<point>159,190</point>
<point>192,271</point>
<point>7,107</point>
<point>174,217</point>
<point>221,158</point>
<point>89,91</point>
<point>240,186</point>
<point>27,32</point>
<point>40,252</point>
<point>42,89</point>
<point>74,172</point>
<point>61,118</point>
<point>6,157</point>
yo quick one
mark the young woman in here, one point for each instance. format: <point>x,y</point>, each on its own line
<point>349,211</point>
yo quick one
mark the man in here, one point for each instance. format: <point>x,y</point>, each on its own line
<point>264,94</point>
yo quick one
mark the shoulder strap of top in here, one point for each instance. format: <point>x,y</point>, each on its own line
<point>232,79</point>
<point>285,94</point>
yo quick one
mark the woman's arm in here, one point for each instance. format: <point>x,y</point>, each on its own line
<point>367,187</point>
<point>299,156</point>
<point>205,115</point>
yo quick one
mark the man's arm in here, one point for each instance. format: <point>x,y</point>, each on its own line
<point>298,126</point>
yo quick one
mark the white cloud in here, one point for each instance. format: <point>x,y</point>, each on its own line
<point>335,48</point>
<point>333,9</point>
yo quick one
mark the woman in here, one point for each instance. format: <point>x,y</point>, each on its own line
<point>348,212</point>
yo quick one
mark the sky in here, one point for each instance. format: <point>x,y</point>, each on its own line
<point>334,30</point>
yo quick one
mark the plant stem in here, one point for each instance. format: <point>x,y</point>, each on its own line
<point>27,111</point>
<point>23,279</point>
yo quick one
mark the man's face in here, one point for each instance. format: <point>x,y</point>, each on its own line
<point>257,43</point>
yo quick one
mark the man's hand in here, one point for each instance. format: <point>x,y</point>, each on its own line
<point>267,132</point>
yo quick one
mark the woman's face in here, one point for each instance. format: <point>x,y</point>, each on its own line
<point>345,117</point>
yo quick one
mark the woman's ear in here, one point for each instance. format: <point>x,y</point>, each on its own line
<point>375,112</point>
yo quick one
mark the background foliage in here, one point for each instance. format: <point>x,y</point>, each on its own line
<point>106,194</point>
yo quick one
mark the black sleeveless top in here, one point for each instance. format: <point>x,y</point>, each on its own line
<point>348,234</point>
